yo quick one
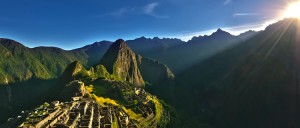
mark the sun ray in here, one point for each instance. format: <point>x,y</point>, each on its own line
<point>293,10</point>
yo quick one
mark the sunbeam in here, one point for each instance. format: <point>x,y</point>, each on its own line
<point>293,10</point>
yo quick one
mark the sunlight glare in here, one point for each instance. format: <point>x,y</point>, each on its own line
<point>293,10</point>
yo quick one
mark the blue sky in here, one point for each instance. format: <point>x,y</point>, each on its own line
<point>74,23</point>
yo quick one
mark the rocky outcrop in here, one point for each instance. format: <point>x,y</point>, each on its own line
<point>121,62</point>
<point>70,72</point>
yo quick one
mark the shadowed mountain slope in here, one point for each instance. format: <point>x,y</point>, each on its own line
<point>180,55</point>
<point>93,52</point>
<point>255,84</point>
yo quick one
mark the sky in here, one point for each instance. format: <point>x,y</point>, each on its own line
<point>70,24</point>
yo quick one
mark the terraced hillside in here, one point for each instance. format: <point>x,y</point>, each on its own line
<point>90,108</point>
<point>104,97</point>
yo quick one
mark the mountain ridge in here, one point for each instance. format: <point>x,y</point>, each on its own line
<point>156,48</point>
<point>250,85</point>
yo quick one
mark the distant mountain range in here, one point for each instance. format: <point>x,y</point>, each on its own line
<point>254,84</point>
<point>220,80</point>
<point>19,63</point>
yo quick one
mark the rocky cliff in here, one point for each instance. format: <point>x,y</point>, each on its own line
<point>121,62</point>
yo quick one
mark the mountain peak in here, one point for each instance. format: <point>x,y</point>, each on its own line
<point>121,62</point>
<point>218,35</point>
<point>75,67</point>
<point>119,44</point>
<point>119,41</point>
<point>221,32</point>
<point>71,70</point>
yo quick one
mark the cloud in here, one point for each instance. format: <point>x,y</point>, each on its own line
<point>121,12</point>
<point>245,14</point>
<point>227,2</point>
<point>149,10</point>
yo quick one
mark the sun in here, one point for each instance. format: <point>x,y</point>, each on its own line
<point>293,10</point>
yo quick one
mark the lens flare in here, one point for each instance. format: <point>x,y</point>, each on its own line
<point>293,10</point>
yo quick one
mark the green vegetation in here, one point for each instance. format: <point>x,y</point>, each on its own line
<point>83,76</point>
<point>115,123</point>
<point>20,63</point>
<point>253,84</point>
<point>121,62</point>
<point>113,92</point>
<point>101,72</point>
<point>120,87</point>
<point>141,121</point>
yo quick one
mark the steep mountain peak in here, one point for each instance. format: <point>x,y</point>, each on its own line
<point>119,44</point>
<point>74,68</point>
<point>70,72</point>
<point>116,46</point>
<point>221,32</point>
<point>121,62</point>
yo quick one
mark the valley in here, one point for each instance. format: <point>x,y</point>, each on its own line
<point>99,97</point>
<point>220,80</point>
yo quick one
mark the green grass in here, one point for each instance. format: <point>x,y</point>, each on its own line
<point>103,90</point>
<point>100,94</point>
<point>115,123</point>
